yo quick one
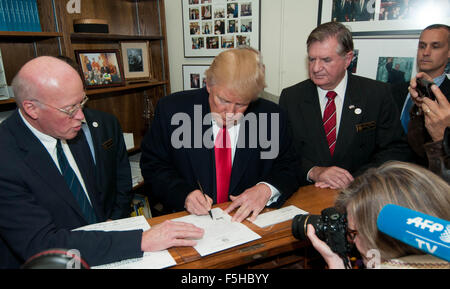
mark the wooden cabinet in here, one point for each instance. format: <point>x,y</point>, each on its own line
<point>136,20</point>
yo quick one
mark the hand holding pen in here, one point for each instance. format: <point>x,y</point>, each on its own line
<point>198,203</point>
<point>204,195</point>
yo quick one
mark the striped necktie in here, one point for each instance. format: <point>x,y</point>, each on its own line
<point>74,185</point>
<point>329,121</point>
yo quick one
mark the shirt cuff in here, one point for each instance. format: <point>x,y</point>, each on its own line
<point>275,193</point>
<point>307,176</point>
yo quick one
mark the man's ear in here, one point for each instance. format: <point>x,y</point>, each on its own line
<point>30,108</point>
<point>348,58</point>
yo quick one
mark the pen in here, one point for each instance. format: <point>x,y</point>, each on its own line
<point>201,190</point>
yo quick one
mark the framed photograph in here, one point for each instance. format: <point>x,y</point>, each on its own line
<point>387,60</point>
<point>385,17</point>
<point>211,26</point>
<point>136,60</point>
<point>100,68</point>
<point>194,76</point>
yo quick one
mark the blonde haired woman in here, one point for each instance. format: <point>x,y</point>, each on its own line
<point>398,183</point>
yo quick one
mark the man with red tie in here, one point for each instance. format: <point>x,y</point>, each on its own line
<point>342,123</point>
<point>222,139</point>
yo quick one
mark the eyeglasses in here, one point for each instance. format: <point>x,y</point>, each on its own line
<point>351,234</point>
<point>71,111</point>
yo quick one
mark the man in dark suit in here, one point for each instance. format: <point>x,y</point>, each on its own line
<point>424,118</point>
<point>221,139</point>
<point>112,167</point>
<point>48,181</point>
<point>342,123</point>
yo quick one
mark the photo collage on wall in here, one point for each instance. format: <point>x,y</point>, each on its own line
<point>211,26</point>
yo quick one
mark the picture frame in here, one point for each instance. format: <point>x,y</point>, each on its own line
<point>212,26</point>
<point>136,58</point>
<point>384,17</point>
<point>100,68</point>
<point>373,56</point>
<point>194,76</point>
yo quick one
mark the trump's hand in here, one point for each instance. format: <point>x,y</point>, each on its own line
<point>251,201</point>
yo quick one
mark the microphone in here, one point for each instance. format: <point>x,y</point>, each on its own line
<point>424,232</point>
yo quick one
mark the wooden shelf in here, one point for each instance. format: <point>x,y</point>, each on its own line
<point>27,36</point>
<point>105,37</point>
<point>126,87</point>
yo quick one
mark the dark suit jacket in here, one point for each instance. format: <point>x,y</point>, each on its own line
<point>172,173</point>
<point>356,150</point>
<point>37,210</point>
<point>113,174</point>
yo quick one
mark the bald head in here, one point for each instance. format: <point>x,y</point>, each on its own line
<point>43,78</point>
<point>46,88</point>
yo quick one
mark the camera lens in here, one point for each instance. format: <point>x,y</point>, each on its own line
<point>299,225</point>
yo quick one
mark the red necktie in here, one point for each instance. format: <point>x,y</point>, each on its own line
<point>329,121</point>
<point>222,151</point>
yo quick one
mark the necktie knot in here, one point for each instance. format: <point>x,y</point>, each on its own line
<point>331,95</point>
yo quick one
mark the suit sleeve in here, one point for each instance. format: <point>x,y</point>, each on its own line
<point>158,166</point>
<point>283,174</point>
<point>27,228</point>
<point>304,164</point>
<point>124,194</point>
<point>391,143</point>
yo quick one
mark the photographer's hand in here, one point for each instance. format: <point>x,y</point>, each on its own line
<point>332,259</point>
<point>437,114</point>
<point>412,87</point>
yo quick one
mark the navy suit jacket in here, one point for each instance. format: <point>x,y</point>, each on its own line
<point>172,173</point>
<point>37,210</point>
<point>364,140</point>
<point>112,168</point>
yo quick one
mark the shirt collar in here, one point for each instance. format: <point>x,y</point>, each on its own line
<point>49,142</point>
<point>339,89</point>
<point>440,79</point>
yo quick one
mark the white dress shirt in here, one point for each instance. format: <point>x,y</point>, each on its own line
<point>233,131</point>
<point>338,101</point>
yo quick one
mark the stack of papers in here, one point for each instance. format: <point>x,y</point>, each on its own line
<point>278,216</point>
<point>136,175</point>
<point>220,233</point>
<point>150,260</point>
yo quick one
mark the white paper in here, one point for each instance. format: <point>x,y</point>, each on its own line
<point>220,233</point>
<point>129,140</point>
<point>278,216</point>
<point>150,260</point>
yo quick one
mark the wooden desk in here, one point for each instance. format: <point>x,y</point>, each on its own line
<point>275,240</point>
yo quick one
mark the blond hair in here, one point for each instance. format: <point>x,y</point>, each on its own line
<point>398,183</point>
<point>240,69</point>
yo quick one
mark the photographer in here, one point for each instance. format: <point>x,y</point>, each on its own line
<point>428,122</point>
<point>398,183</point>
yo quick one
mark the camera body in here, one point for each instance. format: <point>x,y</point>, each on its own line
<point>330,227</point>
<point>424,88</point>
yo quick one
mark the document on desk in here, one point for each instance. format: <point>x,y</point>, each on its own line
<point>150,260</point>
<point>220,233</point>
<point>278,216</point>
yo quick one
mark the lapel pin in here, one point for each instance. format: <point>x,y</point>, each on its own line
<point>358,111</point>
<point>351,107</point>
<point>95,124</point>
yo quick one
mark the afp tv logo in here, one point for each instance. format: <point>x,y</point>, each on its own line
<point>73,6</point>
